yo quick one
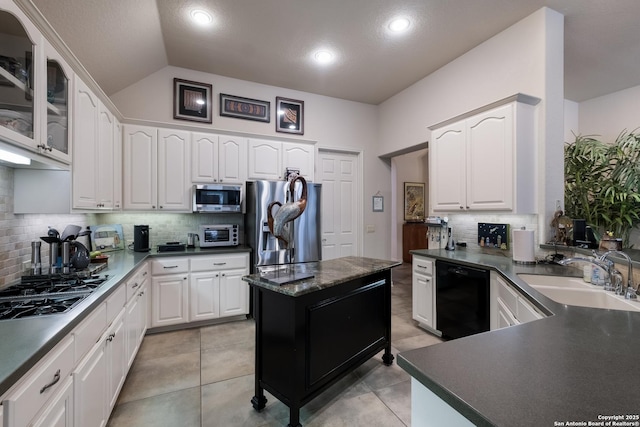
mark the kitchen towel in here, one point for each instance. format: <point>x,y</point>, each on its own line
<point>523,246</point>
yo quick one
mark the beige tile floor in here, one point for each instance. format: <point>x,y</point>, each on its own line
<point>204,377</point>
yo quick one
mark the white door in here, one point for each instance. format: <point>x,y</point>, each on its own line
<point>339,175</point>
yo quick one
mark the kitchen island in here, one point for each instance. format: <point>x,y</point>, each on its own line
<point>331,318</point>
<point>577,366</point>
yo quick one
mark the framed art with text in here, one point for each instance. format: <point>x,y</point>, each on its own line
<point>192,101</point>
<point>290,115</point>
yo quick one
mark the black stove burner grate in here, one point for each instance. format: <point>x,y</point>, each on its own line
<point>43,295</point>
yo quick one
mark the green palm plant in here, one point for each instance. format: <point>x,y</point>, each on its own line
<point>602,182</point>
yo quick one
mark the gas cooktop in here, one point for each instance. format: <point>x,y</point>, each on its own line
<point>46,294</point>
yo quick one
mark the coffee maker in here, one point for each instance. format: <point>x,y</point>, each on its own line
<point>141,238</point>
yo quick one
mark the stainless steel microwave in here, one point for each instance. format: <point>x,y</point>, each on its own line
<point>217,198</point>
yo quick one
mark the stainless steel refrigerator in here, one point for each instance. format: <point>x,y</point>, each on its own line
<point>267,250</point>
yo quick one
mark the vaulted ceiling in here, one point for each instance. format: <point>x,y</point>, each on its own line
<point>272,41</point>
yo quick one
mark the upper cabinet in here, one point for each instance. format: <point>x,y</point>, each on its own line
<point>269,159</point>
<point>218,158</point>
<point>485,161</point>
<point>156,169</point>
<point>20,42</point>
<point>34,88</point>
<point>95,175</point>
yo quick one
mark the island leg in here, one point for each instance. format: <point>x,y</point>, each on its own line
<point>258,401</point>
<point>294,416</point>
<point>387,357</point>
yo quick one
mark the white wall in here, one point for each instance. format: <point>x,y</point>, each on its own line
<point>333,123</point>
<point>525,58</point>
<point>608,115</point>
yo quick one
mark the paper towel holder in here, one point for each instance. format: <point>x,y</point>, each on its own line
<point>524,254</point>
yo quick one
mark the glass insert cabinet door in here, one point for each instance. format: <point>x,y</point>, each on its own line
<point>57,107</point>
<point>16,77</point>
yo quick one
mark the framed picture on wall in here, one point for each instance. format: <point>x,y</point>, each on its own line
<point>290,115</point>
<point>192,101</point>
<point>378,204</point>
<point>414,201</point>
<point>244,108</point>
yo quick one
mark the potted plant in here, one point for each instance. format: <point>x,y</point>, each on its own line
<point>602,182</point>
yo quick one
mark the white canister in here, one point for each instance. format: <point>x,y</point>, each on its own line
<point>586,273</point>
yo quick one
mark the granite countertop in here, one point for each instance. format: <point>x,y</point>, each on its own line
<point>324,274</point>
<point>576,365</point>
<point>25,341</point>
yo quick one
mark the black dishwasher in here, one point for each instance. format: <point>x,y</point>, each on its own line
<point>462,300</point>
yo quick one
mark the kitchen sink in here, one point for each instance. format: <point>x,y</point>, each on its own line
<point>574,291</point>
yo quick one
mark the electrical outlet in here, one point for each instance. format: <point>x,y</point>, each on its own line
<point>371,228</point>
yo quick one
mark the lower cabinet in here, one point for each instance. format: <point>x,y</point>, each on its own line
<point>59,413</point>
<point>508,306</point>
<point>99,377</point>
<point>424,292</point>
<point>136,322</point>
<point>196,288</point>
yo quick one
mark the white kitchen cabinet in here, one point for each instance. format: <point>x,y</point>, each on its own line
<point>508,306</point>
<point>218,158</point>
<point>117,165</point>
<point>216,286</point>
<point>174,166</point>
<point>40,386</point>
<point>140,159</point>
<point>57,106</point>
<point>136,312</point>
<point>269,159</point>
<point>59,412</point>
<point>424,292</point>
<point>94,172</point>
<point>169,291</point>
<point>85,152</point>
<point>156,169</point>
<point>99,377</point>
<point>485,161</point>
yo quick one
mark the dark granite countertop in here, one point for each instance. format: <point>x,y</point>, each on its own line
<point>575,365</point>
<point>325,274</point>
<point>25,341</point>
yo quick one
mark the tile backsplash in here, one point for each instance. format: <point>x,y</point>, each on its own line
<point>17,231</point>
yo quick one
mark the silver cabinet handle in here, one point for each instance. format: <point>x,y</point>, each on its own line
<point>170,266</point>
<point>56,378</point>
<point>219,263</point>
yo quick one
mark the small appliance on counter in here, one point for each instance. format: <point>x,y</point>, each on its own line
<point>141,238</point>
<point>219,235</point>
<point>450,243</point>
<point>171,247</point>
<point>191,240</point>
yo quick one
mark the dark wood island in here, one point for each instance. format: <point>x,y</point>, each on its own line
<point>314,331</point>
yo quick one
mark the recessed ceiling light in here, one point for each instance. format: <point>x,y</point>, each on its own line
<point>399,25</point>
<point>201,17</point>
<point>323,56</point>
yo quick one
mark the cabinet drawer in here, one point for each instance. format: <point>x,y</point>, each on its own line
<point>136,282</point>
<point>169,266</point>
<point>508,296</point>
<point>222,262</point>
<point>115,303</point>
<point>89,331</point>
<point>39,384</point>
<point>422,265</point>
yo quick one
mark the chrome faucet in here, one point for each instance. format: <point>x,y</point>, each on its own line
<point>601,261</point>
<point>628,291</point>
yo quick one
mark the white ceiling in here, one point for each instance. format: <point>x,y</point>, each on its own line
<point>270,41</point>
